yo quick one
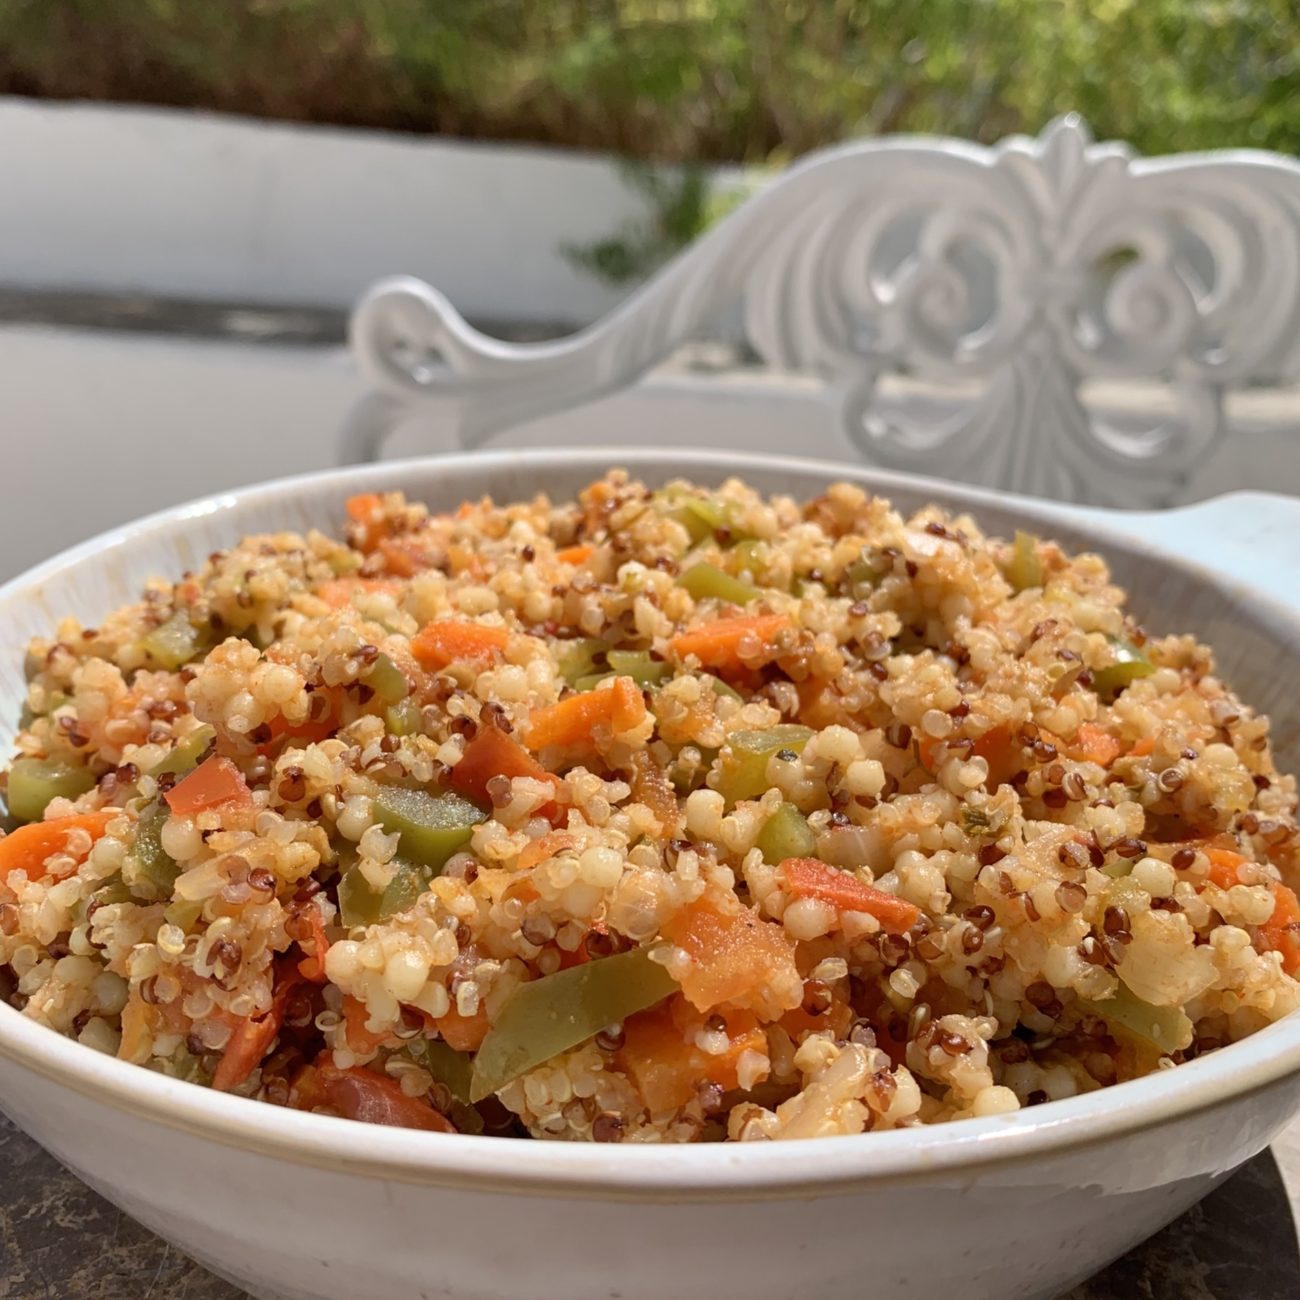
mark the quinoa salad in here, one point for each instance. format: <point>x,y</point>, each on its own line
<point>651,816</point>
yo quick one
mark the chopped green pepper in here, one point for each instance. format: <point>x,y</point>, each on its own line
<point>690,776</point>
<point>865,573</point>
<point>639,666</point>
<point>705,580</point>
<point>148,869</point>
<point>33,782</point>
<point>748,554</point>
<point>343,561</point>
<point>1025,569</point>
<point>359,904</point>
<point>432,826</point>
<point>1166,1028</point>
<point>453,1069</point>
<point>786,834</point>
<point>746,755</point>
<point>387,681</point>
<point>186,754</point>
<point>114,890</point>
<point>550,1015</point>
<point>54,700</point>
<point>1130,664</point>
<point>174,643</point>
<point>702,517</point>
<point>636,664</point>
<point>403,718</point>
<point>585,658</point>
<point>723,688</point>
<point>183,912</point>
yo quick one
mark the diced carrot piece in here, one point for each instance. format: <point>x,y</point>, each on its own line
<point>1223,866</point>
<point>309,1085</point>
<point>374,1098</point>
<point>1281,932</point>
<point>717,644</point>
<point>337,593</point>
<point>312,967</point>
<point>572,722</point>
<point>137,1029</point>
<point>838,1018</point>
<point>405,556</point>
<point>493,753</point>
<point>1094,744</point>
<point>734,953</point>
<point>214,782</point>
<point>360,1039</point>
<point>540,850</point>
<point>995,748</point>
<point>31,846</point>
<point>660,1056</point>
<point>449,640</point>
<point>465,561</point>
<point>1142,748</point>
<point>309,731</point>
<point>809,878</point>
<point>362,507</point>
<point>464,1033</point>
<point>575,554</point>
<point>253,1036</point>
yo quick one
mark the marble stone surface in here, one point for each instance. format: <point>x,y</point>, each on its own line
<point>60,1241</point>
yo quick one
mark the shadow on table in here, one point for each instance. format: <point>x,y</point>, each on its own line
<point>60,1241</point>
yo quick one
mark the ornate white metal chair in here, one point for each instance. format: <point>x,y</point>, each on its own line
<point>963,310</point>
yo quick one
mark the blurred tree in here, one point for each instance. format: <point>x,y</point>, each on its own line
<point>694,81</point>
<point>685,79</point>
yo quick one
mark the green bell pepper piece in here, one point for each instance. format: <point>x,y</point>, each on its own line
<point>183,912</point>
<point>638,665</point>
<point>187,753</point>
<point>1130,664</point>
<point>702,517</point>
<point>585,658</point>
<point>359,904</point>
<point>387,681</point>
<point>403,718</point>
<point>1025,569</point>
<point>148,870</point>
<point>449,1067</point>
<point>746,754</point>
<point>707,580</point>
<point>432,826</point>
<point>33,782</point>
<point>174,643</point>
<point>723,688</point>
<point>786,834</point>
<point>547,1016</point>
<point>864,574</point>
<point>1166,1028</point>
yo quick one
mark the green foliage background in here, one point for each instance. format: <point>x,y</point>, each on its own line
<point>685,79</point>
<point>691,81</point>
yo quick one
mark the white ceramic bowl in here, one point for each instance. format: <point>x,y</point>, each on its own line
<point>303,1206</point>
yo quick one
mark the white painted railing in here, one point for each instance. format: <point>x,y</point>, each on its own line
<point>1008,280</point>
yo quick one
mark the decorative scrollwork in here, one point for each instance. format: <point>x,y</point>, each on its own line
<point>1027,270</point>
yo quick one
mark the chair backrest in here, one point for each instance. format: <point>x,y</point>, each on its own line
<point>986,314</point>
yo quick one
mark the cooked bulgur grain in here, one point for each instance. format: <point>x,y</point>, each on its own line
<point>652,816</point>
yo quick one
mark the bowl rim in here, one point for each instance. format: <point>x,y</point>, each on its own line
<point>740,1171</point>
